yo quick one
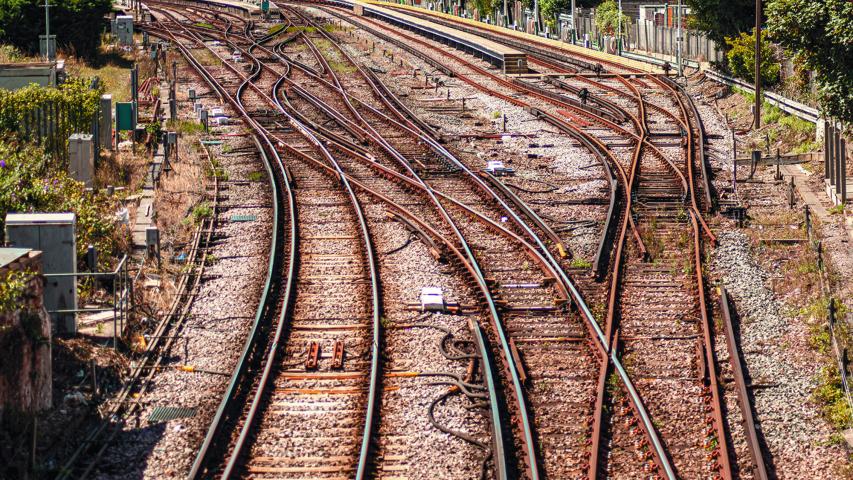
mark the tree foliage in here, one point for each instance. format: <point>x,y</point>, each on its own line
<point>552,8</point>
<point>722,18</point>
<point>76,23</point>
<point>486,7</point>
<point>819,33</point>
<point>741,57</point>
<point>607,18</point>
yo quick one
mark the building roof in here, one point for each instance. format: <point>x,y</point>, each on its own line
<point>10,255</point>
<point>46,218</point>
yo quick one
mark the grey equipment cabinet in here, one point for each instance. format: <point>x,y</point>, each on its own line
<point>53,234</point>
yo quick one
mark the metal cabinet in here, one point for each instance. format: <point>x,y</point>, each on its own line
<point>53,234</point>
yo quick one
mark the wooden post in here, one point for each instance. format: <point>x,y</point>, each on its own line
<point>778,165</point>
<point>791,193</point>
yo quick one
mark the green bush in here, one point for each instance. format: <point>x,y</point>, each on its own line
<point>12,286</point>
<point>741,58</point>
<point>818,35</point>
<point>829,395</point>
<point>201,211</point>
<point>73,105</point>
<point>31,182</point>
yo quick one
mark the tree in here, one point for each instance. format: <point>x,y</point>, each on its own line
<point>819,33</point>
<point>76,23</point>
<point>722,18</point>
<point>607,18</point>
<point>551,8</point>
<point>741,57</point>
<point>487,7</point>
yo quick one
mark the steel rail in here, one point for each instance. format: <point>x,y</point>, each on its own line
<point>702,159</point>
<point>500,456</point>
<point>690,156</point>
<point>498,198</point>
<point>602,253</point>
<point>660,459</point>
<point>591,322</point>
<point>372,407</point>
<point>611,319</point>
<point>710,354</point>
<point>692,191</point>
<point>528,212</point>
<point>699,225</point>
<point>548,99</point>
<point>604,103</point>
<point>265,303</point>
<point>469,261</point>
<point>621,372</point>
<point>374,375</point>
<point>746,407</point>
<point>635,399</point>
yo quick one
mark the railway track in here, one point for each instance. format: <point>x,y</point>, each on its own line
<point>659,190</point>
<point>276,135</point>
<point>337,136</point>
<point>330,248</point>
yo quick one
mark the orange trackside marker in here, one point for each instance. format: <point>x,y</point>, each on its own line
<point>313,356</point>
<point>338,357</point>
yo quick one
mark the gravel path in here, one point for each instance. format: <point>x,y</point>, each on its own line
<point>780,363</point>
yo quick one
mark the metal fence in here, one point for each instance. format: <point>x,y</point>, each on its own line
<point>119,285</point>
<point>645,36</point>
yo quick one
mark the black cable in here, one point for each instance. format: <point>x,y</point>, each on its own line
<point>397,249</point>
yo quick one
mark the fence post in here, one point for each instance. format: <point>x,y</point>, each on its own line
<point>827,147</point>
<point>820,255</point>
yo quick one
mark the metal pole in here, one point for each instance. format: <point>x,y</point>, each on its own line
<point>46,31</point>
<point>678,51</point>
<point>536,16</point>
<point>757,64</point>
<point>619,30</point>
<point>574,21</point>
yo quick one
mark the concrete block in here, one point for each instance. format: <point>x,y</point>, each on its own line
<point>81,158</point>
<point>106,122</point>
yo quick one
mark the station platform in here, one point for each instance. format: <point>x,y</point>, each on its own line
<point>249,9</point>
<point>563,47</point>
<point>508,59</point>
